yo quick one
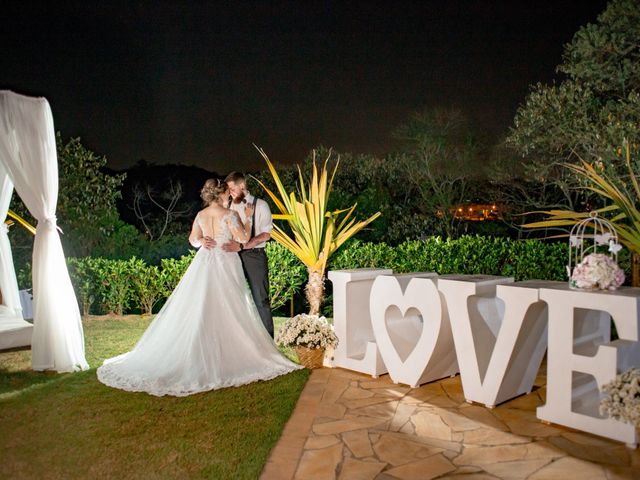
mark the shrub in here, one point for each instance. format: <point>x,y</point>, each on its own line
<point>148,285</point>
<point>119,285</point>
<point>114,286</point>
<point>23,276</point>
<point>286,274</point>
<point>534,259</point>
<point>172,270</point>
<point>85,279</point>
<point>356,254</point>
<point>525,260</point>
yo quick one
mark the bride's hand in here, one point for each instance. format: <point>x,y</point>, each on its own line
<point>248,211</point>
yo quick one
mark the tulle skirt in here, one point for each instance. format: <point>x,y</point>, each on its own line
<point>208,335</point>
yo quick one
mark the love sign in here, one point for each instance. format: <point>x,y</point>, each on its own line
<point>494,331</point>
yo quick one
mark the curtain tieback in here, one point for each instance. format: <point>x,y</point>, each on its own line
<point>50,224</point>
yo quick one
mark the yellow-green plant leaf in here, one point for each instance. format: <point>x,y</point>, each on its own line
<point>315,232</point>
<point>622,212</point>
<point>14,217</point>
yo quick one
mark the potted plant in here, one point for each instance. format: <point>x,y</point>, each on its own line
<point>310,335</point>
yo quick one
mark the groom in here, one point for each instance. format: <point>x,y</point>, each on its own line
<point>252,254</point>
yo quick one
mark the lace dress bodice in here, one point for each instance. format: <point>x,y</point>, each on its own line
<point>222,229</point>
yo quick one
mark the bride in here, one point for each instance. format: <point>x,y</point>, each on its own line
<point>209,334</point>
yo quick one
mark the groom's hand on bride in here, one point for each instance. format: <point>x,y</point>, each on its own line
<point>231,246</point>
<point>208,243</point>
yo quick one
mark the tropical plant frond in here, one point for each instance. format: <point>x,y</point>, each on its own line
<point>326,251</point>
<point>348,212</point>
<point>282,216</point>
<point>349,232</point>
<point>550,223</point>
<point>14,217</point>
<point>622,211</point>
<point>315,232</point>
<point>301,184</point>
<point>292,245</point>
<point>276,178</point>
<point>634,179</point>
<point>313,187</point>
<point>279,205</point>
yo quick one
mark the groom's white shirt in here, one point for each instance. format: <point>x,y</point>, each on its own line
<point>264,221</point>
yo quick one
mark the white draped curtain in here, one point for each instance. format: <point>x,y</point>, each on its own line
<point>8,283</point>
<point>28,152</point>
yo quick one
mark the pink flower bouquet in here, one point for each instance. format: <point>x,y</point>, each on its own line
<point>597,271</point>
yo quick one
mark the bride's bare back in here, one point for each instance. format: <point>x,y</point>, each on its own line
<point>220,224</point>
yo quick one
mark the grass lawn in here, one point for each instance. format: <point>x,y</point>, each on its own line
<point>72,426</point>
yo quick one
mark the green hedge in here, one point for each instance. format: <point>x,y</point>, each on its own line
<point>121,286</point>
<point>524,259</point>
<point>124,286</point>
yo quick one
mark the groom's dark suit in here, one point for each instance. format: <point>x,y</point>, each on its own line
<point>254,260</point>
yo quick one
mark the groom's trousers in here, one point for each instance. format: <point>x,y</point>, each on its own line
<point>256,269</point>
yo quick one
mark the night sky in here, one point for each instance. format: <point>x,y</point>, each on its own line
<point>199,82</point>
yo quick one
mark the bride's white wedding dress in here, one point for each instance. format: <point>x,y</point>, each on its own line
<point>208,335</point>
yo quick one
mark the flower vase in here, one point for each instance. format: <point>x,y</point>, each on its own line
<point>310,357</point>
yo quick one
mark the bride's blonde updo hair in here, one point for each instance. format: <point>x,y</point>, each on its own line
<point>212,190</point>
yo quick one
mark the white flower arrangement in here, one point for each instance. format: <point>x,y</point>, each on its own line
<point>623,397</point>
<point>597,270</point>
<point>309,331</point>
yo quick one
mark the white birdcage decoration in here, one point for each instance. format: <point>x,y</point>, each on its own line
<point>591,236</point>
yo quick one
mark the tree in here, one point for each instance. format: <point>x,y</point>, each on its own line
<point>595,107</point>
<point>441,159</point>
<point>621,197</point>
<point>87,200</point>
<point>86,208</point>
<point>157,212</point>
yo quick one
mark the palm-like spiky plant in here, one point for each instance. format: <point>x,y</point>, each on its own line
<point>316,232</point>
<point>622,211</point>
<point>14,217</point>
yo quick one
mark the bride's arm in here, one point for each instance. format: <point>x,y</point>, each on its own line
<point>240,232</point>
<point>196,236</point>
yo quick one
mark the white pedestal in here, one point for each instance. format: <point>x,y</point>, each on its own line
<point>412,329</point>
<point>356,349</point>
<point>581,358</point>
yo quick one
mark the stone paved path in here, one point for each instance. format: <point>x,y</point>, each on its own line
<point>350,426</point>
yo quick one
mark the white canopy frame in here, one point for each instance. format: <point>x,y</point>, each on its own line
<point>28,158</point>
